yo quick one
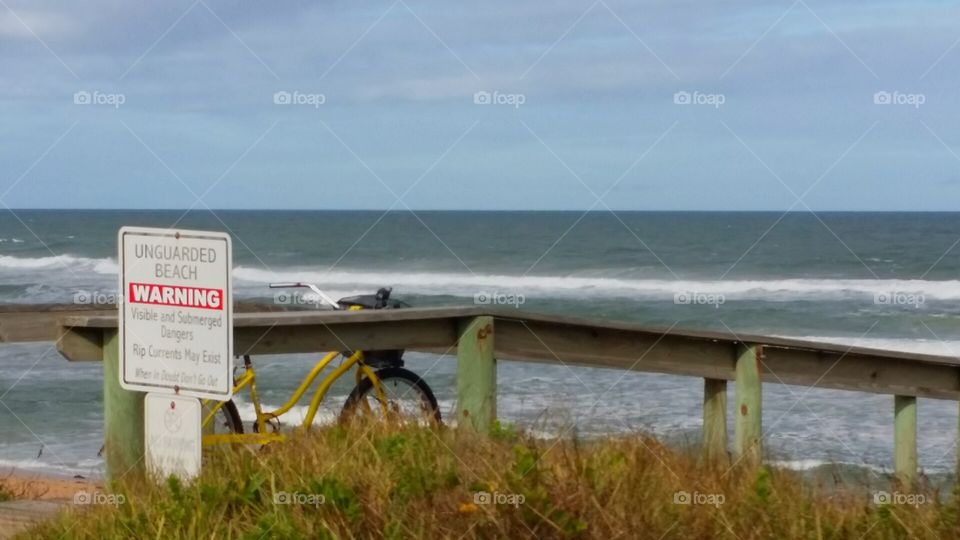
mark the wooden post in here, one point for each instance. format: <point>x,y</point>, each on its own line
<point>905,439</point>
<point>747,431</point>
<point>714,421</point>
<point>476,374</point>
<point>122,417</point>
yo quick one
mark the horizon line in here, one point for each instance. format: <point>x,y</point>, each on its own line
<point>473,210</point>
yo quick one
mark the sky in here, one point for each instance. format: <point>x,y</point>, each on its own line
<point>405,104</point>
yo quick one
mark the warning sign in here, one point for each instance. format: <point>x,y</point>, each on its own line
<point>176,313</point>
<point>172,430</point>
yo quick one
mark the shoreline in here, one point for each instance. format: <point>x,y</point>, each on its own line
<point>22,484</point>
<point>29,497</point>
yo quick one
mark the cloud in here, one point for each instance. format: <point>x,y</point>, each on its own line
<point>25,25</point>
<point>399,76</point>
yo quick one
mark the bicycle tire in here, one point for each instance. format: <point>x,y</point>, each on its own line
<point>365,387</point>
<point>230,417</point>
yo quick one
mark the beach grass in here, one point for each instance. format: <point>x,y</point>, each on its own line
<point>374,481</point>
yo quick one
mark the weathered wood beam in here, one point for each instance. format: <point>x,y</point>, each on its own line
<point>679,354</point>
<point>714,421</point>
<point>550,339</point>
<point>614,348</point>
<point>747,424</point>
<point>905,439</point>
<point>80,344</point>
<point>864,373</point>
<point>122,417</point>
<point>476,374</point>
<point>38,323</point>
<point>348,336</point>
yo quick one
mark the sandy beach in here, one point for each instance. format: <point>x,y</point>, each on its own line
<point>28,497</point>
<point>29,485</point>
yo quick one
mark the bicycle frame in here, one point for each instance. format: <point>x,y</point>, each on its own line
<point>249,378</point>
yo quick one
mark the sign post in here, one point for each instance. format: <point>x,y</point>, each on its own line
<point>175,335</point>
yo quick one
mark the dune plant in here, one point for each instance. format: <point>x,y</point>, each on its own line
<point>375,481</point>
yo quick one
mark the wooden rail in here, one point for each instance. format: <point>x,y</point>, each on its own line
<point>482,335</point>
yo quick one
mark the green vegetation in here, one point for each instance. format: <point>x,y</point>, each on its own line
<point>379,482</point>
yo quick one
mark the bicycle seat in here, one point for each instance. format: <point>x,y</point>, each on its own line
<point>370,301</point>
<point>381,300</point>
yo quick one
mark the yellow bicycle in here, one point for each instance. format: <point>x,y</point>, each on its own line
<point>384,388</point>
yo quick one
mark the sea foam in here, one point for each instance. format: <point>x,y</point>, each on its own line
<point>580,285</point>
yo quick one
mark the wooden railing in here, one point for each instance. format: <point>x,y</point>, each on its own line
<point>481,336</point>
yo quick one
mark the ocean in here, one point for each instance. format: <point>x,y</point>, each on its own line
<point>885,280</point>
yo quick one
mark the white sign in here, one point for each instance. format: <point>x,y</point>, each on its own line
<point>176,312</point>
<point>172,431</point>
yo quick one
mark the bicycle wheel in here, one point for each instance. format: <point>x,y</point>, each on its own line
<point>227,420</point>
<point>409,399</point>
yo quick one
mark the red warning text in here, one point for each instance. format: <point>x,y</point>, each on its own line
<point>174,295</point>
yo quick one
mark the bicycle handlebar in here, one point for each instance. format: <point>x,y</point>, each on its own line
<point>285,285</point>
<point>323,296</point>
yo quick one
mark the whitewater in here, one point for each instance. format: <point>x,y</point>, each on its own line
<point>466,284</point>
